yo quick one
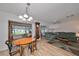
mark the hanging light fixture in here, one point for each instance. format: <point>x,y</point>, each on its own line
<point>30,18</point>
<point>20,17</point>
<point>26,17</point>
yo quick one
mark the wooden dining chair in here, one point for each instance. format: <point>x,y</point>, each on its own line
<point>12,49</point>
<point>33,46</point>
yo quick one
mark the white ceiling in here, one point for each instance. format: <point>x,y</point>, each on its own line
<point>47,12</point>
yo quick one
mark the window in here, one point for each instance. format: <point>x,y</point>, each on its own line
<point>18,30</point>
<point>43,30</point>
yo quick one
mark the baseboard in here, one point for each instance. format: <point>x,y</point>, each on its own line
<point>3,49</point>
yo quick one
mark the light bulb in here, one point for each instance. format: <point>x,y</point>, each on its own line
<point>20,17</point>
<point>25,15</point>
<point>24,19</point>
<point>30,18</point>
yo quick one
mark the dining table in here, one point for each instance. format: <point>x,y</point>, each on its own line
<point>23,42</point>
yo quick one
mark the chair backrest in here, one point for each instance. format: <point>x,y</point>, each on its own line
<point>9,44</point>
<point>10,47</point>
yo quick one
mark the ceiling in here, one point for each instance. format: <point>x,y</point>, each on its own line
<point>46,12</point>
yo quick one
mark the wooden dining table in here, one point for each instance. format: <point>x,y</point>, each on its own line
<point>23,42</point>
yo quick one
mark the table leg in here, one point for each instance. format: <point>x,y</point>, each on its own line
<point>32,48</point>
<point>21,50</point>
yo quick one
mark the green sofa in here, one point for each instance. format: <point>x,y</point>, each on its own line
<point>68,35</point>
<point>51,36</point>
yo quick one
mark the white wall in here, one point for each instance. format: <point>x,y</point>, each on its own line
<point>71,26</point>
<point>68,26</point>
<point>4,17</point>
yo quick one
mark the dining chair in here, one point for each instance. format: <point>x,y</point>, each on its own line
<point>33,46</point>
<point>12,49</point>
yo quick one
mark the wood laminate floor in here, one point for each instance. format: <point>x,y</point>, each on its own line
<point>44,49</point>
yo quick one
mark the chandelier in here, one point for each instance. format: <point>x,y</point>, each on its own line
<point>26,16</point>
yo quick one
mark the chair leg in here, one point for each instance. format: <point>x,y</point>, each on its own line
<point>10,54</point>
<point>32,47</point>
